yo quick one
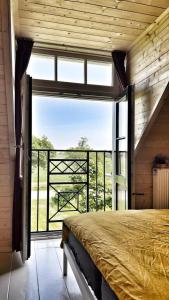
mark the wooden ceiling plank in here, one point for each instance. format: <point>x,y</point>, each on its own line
<point>90,10</point>
<point>157,3</point>
<point>82,16</point>
<point>87,25</point>
<point>38,34</point>
<point>98,25</point>
<point>61,35</point>
<point>67,29</point>
<point>70,42</point>
<point>124,5</point>
<point>44,45</point>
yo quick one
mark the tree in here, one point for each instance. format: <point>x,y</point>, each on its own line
<point>40,143</point>
<point>83,145</point>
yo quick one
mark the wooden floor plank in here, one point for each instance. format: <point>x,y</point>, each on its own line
<point>51,282</point>
<point>23,284</point>
<point>5,271</point>
<point>48,243</point>
<point>70,281</point>
<point>39,278</point>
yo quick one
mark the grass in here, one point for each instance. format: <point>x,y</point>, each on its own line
<point>42,216</point>
<point>42,211</point>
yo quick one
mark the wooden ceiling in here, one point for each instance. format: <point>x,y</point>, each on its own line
<point>99,25</point>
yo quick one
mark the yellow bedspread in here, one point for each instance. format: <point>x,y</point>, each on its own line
<point>131,249</point>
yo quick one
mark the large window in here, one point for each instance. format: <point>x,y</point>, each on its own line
<point>71,69</point>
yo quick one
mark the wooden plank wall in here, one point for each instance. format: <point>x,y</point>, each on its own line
<point>6,131</point>
<point>156,142</point>
<point>149,71</point>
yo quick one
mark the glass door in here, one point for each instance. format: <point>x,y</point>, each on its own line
<point>123,149</point>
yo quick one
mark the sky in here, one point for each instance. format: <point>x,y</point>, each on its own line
<point>64,121</point>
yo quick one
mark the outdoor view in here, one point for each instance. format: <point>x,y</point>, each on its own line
<point>71,144</point>
<point>70,124</point>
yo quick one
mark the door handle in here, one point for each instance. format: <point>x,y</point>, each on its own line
<point>138,194</point>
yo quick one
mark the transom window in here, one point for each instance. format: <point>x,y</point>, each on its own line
<point>42,67</point>
<point>99,73</point>
<point>70,69</point>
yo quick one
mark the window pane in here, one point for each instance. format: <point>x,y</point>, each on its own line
<point>70,69</point>
<point>123,116</point>
<point>99,73</point>
<point>41,67</point>
<point>122,163</point>
<point>121,196</point>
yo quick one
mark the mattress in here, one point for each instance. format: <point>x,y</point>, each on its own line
<point>130,249</point>
<point>90,271</point>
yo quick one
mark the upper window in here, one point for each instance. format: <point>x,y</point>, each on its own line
<point>70,69</point>
<point>41,67</point>
<point>99,73</point>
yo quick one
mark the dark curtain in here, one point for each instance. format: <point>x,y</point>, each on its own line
<point>23,53</point>
<point>118,59</point>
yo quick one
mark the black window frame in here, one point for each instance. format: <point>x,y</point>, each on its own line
<point>129,94</point>
<point>54,87</point>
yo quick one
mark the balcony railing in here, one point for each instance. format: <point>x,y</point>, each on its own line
<point>66,183</point>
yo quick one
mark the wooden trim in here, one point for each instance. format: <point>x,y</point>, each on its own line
<point>7,54</point>
<point>5,7</point>
<point>15,13</point>
<point>87,293</point>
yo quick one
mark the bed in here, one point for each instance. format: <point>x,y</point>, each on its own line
<point>122,255</point>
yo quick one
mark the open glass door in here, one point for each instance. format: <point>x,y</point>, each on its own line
<point>26,164</point>
<point>123,149</point>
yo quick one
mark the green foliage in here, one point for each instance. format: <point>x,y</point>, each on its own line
<point>83,145</point>
<point>40,143</point>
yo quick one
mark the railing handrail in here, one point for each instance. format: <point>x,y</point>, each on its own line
<point>73,150</point>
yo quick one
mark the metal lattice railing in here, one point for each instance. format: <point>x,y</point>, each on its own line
<point>66,183</point>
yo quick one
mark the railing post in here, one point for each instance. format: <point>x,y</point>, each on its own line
<point>104,184</point>
<point>48,170</point>
<point>87,181</point>
<point>96,181</point>
<point>38,195</point>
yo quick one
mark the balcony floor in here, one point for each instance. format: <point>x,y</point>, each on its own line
<point>40,278</point>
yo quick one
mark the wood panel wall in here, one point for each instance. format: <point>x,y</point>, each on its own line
<point>6,131</point>
<point>149,71</point>
<point>156,142</point>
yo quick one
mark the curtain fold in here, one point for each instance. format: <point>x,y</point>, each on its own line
<point>118,59</point>
<point>23,53</point>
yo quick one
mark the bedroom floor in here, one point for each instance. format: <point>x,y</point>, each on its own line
<point>40,277</point>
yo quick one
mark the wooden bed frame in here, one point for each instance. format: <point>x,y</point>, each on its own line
<point>68,256</point>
